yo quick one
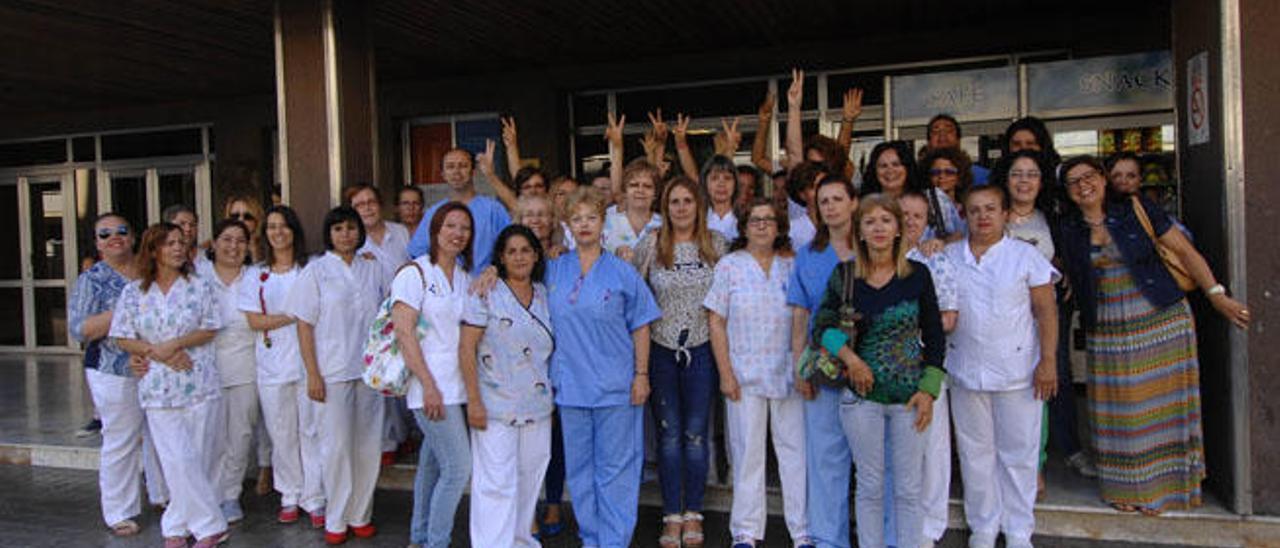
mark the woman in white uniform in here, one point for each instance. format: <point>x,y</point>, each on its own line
<point>288,414</point>
<point>434,288</point>
<point>1001,362</point>
<point>169,317</point>
<point>233,352</point>
<point>335,300</point>
<point>505,349</point>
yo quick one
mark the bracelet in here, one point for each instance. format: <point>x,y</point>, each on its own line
<point>642,373</point>
<point>1217,289</point>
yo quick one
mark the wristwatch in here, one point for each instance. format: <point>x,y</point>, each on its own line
<point>1217,289</point>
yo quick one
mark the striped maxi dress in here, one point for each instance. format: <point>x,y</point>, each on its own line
<point>1144,394</point>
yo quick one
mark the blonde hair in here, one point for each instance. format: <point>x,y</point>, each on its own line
<point>528,202</point>
<point>585,195</point>
<point>868,203</point>
<point>701,236</point>
<point>258,235</point>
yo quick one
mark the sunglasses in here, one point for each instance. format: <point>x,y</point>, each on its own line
<point>241,216</point>
<point>105,233</point>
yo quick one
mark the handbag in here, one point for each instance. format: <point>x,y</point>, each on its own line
<point>384,368</point>
<point>818,366</point>
<point>1171,261</point>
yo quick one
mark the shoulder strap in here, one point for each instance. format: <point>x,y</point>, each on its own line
<point>421,275</point>
<point>1145,221</point>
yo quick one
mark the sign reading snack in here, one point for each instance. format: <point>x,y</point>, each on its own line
<point>1101,85</point>
<point>982,94</point>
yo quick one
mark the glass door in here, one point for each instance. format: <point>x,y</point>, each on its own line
<point>38,214</point>
<point>142,194</point>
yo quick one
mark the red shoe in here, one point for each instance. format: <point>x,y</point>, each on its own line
<point>364,531</point>
<point>388,458</point>
<point>317,519</point>
<point>287,514</point>
<point>335,538</point>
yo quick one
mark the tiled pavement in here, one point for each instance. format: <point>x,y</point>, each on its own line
<point>59,507</point>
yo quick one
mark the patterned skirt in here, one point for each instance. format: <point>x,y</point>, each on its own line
<point>1144,394</point>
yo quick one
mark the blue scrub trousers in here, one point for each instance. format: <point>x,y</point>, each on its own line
<point>603,458</point>
<point>827,457</point>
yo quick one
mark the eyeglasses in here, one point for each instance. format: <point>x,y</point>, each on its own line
<point>758,221</point>
<point>105,233</point>
<point>1092,175</point>
<point>241,216</point>
<point>1033,174</point>
<point>950,171</point>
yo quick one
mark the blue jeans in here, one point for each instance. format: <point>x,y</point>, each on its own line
<point>444,468</point>
<point>603,471</point>
<point>828,462</point>
<point>683,384</point>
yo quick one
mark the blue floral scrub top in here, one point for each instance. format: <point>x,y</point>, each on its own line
<point>593,316</point>
<point>512,358</point>
<point>96,291</point>
<point>155,317</point>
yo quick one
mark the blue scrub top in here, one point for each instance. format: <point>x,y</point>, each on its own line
<point>489,217</point>
<point>593,317</point>
<point>809,279</point>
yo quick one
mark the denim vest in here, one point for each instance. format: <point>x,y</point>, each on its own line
<point>1136,248</point>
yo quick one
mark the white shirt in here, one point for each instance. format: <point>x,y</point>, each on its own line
<point>442,304</point>
<point>727,226</point>
<point>282,363</point>
<point>758,321</point>
<point>233,346</point>
<point>618,231</point>
<point>995,346</point>
<point>394,249</point>
<point>340,302</point>
<point>802,229</point>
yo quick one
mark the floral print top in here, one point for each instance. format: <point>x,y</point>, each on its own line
<point>512,358</point>
<point>758,321</point>
<point>96,291</point>
<point>155,316</point>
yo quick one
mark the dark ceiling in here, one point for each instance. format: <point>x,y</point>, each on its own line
<point>88,54</point>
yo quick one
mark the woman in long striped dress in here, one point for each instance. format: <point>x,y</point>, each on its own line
<point>1144,379</point>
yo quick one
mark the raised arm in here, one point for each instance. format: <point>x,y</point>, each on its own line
<point>511,142</point>
<point>760,146</point>
<point>687,164</point>
<point>613,134</point>
<point>795,139</point>
<point>500,187</point>
<point>848,114</point>
<point>728,140</point>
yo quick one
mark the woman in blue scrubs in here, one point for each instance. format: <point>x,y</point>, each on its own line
<point>600,312</point>
<point>827,453</point>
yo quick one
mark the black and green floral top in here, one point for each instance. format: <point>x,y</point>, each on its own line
<point>899,331</point>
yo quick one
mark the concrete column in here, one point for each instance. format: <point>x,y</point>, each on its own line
<point>1231,203</point>
<point>325,104</point>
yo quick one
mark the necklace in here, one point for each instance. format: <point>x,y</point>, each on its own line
<point>1095,223</point>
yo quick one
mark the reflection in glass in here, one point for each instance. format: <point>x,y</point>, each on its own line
<point>178,188</point>
<point>11,315</point>
<point>47,246</point>
<point>129,197</point>
<point>10,250</point>
<point>51,316</point>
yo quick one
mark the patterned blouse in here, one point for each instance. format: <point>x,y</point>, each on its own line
<point>96,291</point>
<point>618,232</point>
<point>679,290</point>
<point>758,321</point>
<point>155,317</point>
<point>511,361</point>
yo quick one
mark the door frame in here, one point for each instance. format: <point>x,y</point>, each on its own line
<point>26,281</point>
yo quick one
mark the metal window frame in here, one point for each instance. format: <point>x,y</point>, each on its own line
<point>406,163</point>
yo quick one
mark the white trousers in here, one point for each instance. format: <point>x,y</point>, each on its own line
<point>998,437</point>
<point>351,434</point>
<point>240,405</point>
<point>868,426</point>
<point>262,442</point>
<point>935,492</point>
<point>747,421</point>
<point>508,464</point>
<point>296,459</point>
<point>183,436</point>
<point>157,488</point>
<point>116,400</point>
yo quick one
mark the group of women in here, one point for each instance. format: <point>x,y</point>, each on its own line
<point>853,341</point>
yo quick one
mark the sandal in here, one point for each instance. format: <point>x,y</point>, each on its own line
<point>1149,512</point>
<point>670,539</point>
<point>126,528</point>
<point>1124,508</point>
<point>692,538</point>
